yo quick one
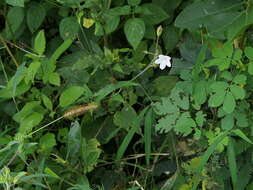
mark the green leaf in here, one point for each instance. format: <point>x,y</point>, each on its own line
<point>69,28</point>
<point>219,86</point>
<point>28,123</point>
<point>112,87</point>
<point>135,126</point>
<point>47,142</point>
<point>74,141</point>
<point>237,91</point>
<point>133,2</point>
<point>167,123</point>
<point>227,122</point>
<point>170,37</point>
<point>185,124</point>
<point>47,102</point>
<point>200,118</point>
<point>180,98</point>
<point>153,14</point>
<point>14,21</point>
<point>111,23</point>
<point>134,29</point>
<point>199,92</point>
<point>60,50</point>
<point>216,99</point>
<point>240,79</point>
<point>70,95</point>
<point>250,68</point>
<point>239,133</point>
<point>215,16</point>
<point>165,107</point>
<point>229,103</point>
<point>51,173</point>
<point>232,162</point>
<point>40,42</point>
<point>249,52</point>
<point>208,153</point>
<point>90,154</point>
<point>54,78</point>
<point>16,3</point>
<point>36,14</point>
<point>124,117</point>
<point>118,11</point>
<point>31,71</point>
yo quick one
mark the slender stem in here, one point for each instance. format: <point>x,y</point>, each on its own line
<point>9,51</point>
<point>44,126</point>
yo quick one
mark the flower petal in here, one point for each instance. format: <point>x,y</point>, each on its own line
<point>162,66</point>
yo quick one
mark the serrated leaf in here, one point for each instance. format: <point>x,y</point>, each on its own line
<point>200,118</point>
<point>185,124</point>
<point>69,28</point>
<point>134,29</point>
<point>40,42</point>
<point>70,95</point>
<point>229,103</point>
<point>216,99</point>
<point>238,92</point>
<point>227,122</point>
<point>36,13</point>
<point>167,123</point>
<point>165,107</point>
<point>180,98</point>
<point>249,52</point>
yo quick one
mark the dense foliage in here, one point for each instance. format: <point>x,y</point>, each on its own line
<point>85,106</point>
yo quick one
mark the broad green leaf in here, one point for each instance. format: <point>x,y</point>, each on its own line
<point>29,108</point>
<point>20,89</point>
<point>134,29</point>
<point>133,2</point>
<point>227,122</point>
<point>70,95</point>
<point>31,71</point>
<point>28,123</point>
<point>226,75</point>
<point>40,42</point>
<point>36,14</point>
<point>17,78</point>
<point>200,118</point>
<point>240,79</point>
<point>232,162</point>
<point>69,28</point>
<point>170,37</point>
<point>54,78</point>
<point>229,103</point>
<point>14,21</point>
<point>16,3</point>
<point>118,11</point>
<point>237,91</point>
<point>226,50</point>
<point>250,68</point>
<point>215,16</point>
<point>47,142</point>
<point>219,86</point>
<point>111,23</point>
<point>47,102</point>
<point>124,118</point>
<point>153,14</point>
<point>249,52</point>
<point>216,99</point>
<point>199,92</point>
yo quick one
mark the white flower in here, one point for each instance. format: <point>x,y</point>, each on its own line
<point>163,61</point>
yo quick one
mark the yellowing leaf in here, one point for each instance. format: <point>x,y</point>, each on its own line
<point>88,22</point>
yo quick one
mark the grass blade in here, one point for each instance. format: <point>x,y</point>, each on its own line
<point>232,162</point>
<point>147,134</point>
